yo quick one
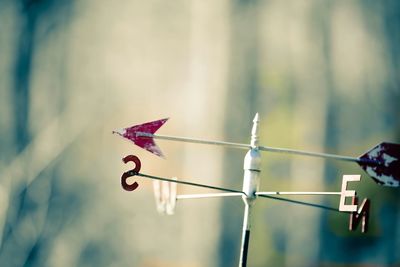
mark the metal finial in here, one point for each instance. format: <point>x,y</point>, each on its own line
<point>254,131</point>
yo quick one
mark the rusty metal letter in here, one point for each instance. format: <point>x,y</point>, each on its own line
<point>361,215</point>
<point>133,172</point>
<point>348,193</point>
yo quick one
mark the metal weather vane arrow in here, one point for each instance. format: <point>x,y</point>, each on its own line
<point>381,163</point>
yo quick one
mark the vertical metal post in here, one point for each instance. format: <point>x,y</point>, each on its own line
<point>251,181</point>
<point>245,236</point>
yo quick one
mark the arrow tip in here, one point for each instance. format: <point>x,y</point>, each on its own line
<point>120,132</point>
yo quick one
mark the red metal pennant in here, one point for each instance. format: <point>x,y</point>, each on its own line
<point>382,164</point>
<point>146,142</point>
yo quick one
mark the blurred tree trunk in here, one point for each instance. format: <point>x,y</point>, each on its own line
<point>391,17</point>
<point>22,74</point>
<point>21,90</point>
<point>241,105</point>
<point>309,127</point>
<point>380,247</point>
<point>392,33</point>
<point>22,245</point>
<point>207,66</point>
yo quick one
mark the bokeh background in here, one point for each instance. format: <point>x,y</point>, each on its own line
<point>324,76</point>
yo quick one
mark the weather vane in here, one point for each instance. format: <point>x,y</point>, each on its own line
<point>381,163</point>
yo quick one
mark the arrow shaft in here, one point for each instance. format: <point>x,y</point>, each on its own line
<point>306,153</point>
<point>194,140</point>
<point>261,148</point>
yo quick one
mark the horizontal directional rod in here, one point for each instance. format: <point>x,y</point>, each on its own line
<point>301,203</point>
<point>297,193</point>
<point>248,146</point>
<point>232,192</point>
<point>189,183</point>
<point>211,195</point>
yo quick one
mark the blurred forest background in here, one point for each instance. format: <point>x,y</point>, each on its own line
<point>323,74</point>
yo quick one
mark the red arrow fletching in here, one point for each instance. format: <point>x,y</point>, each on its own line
<point>382,164</point>
<point>145,142</point>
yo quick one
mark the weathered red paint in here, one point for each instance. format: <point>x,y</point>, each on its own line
<point>133,172</point>
<point>382,164</point>
<point>144,141</point>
